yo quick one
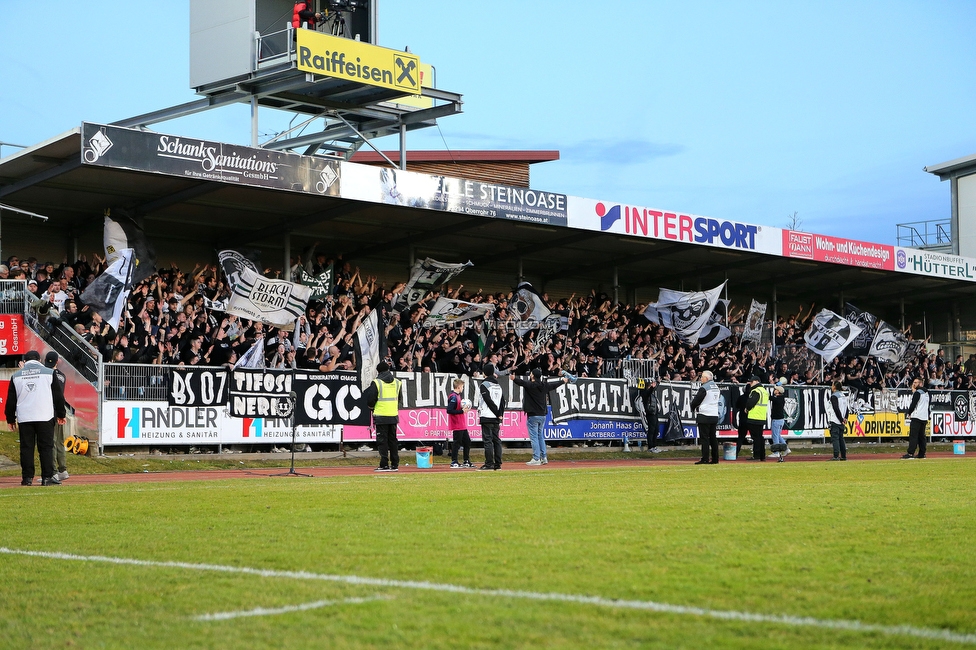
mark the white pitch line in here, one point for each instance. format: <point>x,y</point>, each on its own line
<point>288,609</point>
<point>646,605</point>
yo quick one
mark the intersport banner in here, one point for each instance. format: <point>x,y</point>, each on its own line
<point>668,225</point>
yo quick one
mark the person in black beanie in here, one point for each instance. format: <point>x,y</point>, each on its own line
<point>490,412</point>
<point>534,405</point>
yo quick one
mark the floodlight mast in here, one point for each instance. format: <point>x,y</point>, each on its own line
<point>251,56</point>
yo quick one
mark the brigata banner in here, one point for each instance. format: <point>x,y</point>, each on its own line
<point>329,398</point>
<point>448,194</point>
<point>837,250</point>
<point>192,158</point>
<point>260,393</point>
<point>195,386</point>
<point>593,399</point>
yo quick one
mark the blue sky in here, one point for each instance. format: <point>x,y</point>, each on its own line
<point>740,110</point>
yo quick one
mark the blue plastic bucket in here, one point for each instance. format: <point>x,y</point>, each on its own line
<point>959,447</point>
<point>729,450</point>
<point>424,457</point>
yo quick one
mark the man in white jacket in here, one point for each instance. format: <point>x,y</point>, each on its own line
<point>34,401</point>
<point>918,419</point>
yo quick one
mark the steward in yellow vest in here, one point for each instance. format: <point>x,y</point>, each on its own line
<point>383,396</point>
<point>757,407</point>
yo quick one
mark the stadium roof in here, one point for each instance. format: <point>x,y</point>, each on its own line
<point>966,164</point>
<point>50,178</point>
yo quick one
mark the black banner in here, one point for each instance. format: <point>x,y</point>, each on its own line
<point>198,387</point>
<point>256,393</point>
<point>596,399</point>
<point>330,398</point>
<point>430,390</point>
<point>192,158</point>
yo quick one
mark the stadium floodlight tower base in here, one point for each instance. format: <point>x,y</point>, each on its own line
<point>292,400</point>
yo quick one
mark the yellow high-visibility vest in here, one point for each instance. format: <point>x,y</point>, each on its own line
<point>388,396</point>
<point>758,412</point>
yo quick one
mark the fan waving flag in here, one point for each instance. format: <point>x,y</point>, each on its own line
<point>123,233</point>
<point>233,263</point>
<point>426,276</point>
<point>447,311</point>
<point>829,334</point>
<point>528,309</point>
<point>867,322</point>
<point>369,350</point>
<point>752,332</point>
<point>889,344</point>
<point>685,312</point>
<point>276,302</point>
<point>108,293</point>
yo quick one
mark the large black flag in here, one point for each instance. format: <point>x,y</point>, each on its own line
<point>121,233</point>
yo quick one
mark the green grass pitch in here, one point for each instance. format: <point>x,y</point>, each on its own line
<point>795,555</point>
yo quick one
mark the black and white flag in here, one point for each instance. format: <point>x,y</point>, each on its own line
<point>829,334</point>
<point>122,233</point>
<point>276,302</point>
<point>868,323</point>
<point>260,393</point>
<point>752,332</point>
<point>716,330</point>
<point>367,342</point>
<point>426,276</point>
<point>528,309</point>
<point>320,285</point>
<point>447,311</point>
<point>198,387</point>
<point>108,293</point>
<point>254,357</point>
<point>889,344</point>
<point>232,264</point>
<point>685,312</point>
<point>329,398</point>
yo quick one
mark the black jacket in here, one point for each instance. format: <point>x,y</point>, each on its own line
<point>536,393</point>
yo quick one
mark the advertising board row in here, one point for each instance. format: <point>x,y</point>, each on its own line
<point>329,408</point>
<point>192,158</point>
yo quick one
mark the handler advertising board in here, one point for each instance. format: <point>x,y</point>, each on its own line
<point>145,423</point>
<point>192,158</point>
<point>448,194</point>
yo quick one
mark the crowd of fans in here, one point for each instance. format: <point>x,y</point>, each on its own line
<point>174,317</point>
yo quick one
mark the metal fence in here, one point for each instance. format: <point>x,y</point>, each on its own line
<point>636,369</point>
<point>134,381</point>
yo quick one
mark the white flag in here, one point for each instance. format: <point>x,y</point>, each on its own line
<point>368,348</point>
<point>276,302</point>
<point>685,312</point>
<point>829,334</point>
<point>254,357</point>
<point>752,333</point>
<point>447,311</point>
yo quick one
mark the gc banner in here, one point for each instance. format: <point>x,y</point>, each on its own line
<point>260,393</point>
<point>198,387</point>
<point>330,398</point>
